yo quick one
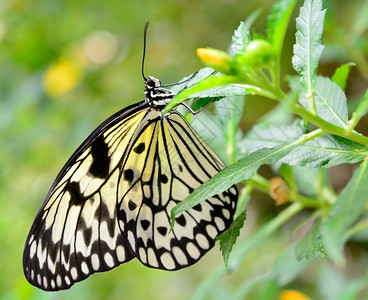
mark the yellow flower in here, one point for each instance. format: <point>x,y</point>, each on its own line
<point>293,295</point>
<point>62,77</point>
<point>218,60</point>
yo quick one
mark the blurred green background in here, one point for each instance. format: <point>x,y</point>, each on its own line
<point>65,66</point>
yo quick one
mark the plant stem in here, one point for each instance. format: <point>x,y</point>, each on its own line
<point>356,228</point>
<point>328,127</point>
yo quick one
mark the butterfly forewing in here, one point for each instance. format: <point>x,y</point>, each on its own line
<point>76,232</point>
<point>112,201</point>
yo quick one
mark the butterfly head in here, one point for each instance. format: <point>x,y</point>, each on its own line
<point>156,95</point>
<point>152,83</point>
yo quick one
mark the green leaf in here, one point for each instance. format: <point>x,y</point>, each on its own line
<point>341,75</point>
<point>308,47</point>
<point>287,174</point>
<point>213,86</point>
<point>326,151</point>
<point>198,103</point>
<point>269,135</point>
<point>305,179</point>
<point>192,79</point>
<point>360,112</point>
<point>278,22</point>
<point>323,151</point>
<point>350,204</point>
<point>241,170</point>
<point>330,102</point>
<point>311,246</point>
<point>228,238</point>
<point>241,39</point>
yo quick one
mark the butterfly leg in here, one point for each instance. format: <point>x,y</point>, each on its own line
<point>191,110</point>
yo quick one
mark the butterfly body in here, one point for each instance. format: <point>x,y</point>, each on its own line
<point>112,200</point>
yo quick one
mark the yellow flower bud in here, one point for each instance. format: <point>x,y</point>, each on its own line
<point>293,295</point>
<point>216,59</point>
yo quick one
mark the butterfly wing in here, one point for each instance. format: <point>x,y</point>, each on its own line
<point>112,201</point>
<point>169,160</point>
<point>76,232</point>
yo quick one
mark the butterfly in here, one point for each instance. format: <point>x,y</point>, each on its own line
<point>111,201</point>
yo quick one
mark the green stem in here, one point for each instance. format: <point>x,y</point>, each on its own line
<point>260,183</point>
<point>362,225</point>
<point>311,102</point>
<point>328,127</point>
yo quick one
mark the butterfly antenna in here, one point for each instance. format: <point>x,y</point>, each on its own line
<point>144,48</point>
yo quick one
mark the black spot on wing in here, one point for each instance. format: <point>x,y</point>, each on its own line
<point>145,224</point>
<point>132,205</point>
<point>162,230</point>
<point>76,197</point>
<point>181,220</point>
<point>101,160</point>
<point>140,148</point>
<point>163,178</point>
<point>198,207</point>
<point>129,175</point>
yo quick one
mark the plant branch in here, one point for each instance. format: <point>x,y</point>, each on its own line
<point>328,127</point>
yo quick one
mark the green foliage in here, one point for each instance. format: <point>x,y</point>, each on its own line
<point>228,238</point>
<point>265,121</point>
<point>341,75</point>
<point>239,171</point>
<point>308,47</point>
<point>323,151</point>
<point>278,22</point>
<point>311,246</point>
<point>350,204</point>
<point>241,39</point>
<point>303,151</point>
<point>330,102</point>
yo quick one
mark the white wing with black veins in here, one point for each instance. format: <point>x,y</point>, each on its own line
<point>112,201</point>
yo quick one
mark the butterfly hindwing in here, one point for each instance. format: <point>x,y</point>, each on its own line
<point>169,160</point>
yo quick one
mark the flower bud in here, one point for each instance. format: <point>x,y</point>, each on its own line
<point>216,59</point>
<point>258,53</point>
<point>293,295</point>
<point>279,190</point>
